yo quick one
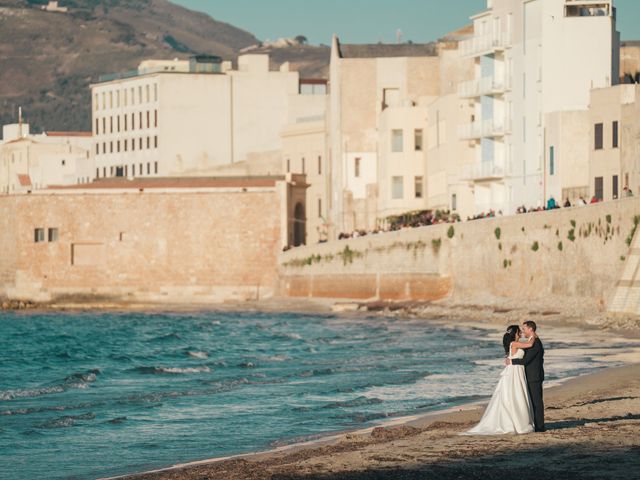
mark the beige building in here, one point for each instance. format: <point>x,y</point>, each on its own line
<point>32,162</point>
<point>167,119</point>
<point>366,80</point>
<point>614,143</point>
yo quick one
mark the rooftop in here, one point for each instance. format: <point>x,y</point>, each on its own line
<point>175,182</point>
<point>382,50</point>
<point>68,134</point>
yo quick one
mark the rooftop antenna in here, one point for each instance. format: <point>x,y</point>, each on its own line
<point>20,122</point>
<point>399,36</point>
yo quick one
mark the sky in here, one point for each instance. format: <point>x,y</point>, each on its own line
<point>365,21</point>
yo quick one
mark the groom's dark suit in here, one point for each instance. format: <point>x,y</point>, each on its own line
<point>533,362</point>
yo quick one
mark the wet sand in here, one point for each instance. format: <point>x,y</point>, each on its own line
<point>593,432</point>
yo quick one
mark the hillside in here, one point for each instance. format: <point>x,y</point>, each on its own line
<point>48,59</point>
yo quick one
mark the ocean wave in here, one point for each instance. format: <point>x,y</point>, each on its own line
<point>66,421</point>
<point>77,380</point>
<point>355,402</point>
<point>171,370</point>
<point>195,354</point>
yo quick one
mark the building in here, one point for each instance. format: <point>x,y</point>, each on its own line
<point>366,80</point>
<point>196,240</point>
<point>614,141</point>
<point>532,58</point>
<point>304,151</point>
<point>32,162</point>
<point>175,118</point>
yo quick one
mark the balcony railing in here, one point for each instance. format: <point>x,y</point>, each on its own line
<point>484,128</point>
<point>483,171</point>
<point>482,44</point>
<point>482,86</point>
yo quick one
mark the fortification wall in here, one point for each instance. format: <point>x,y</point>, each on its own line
<point>575,252</point>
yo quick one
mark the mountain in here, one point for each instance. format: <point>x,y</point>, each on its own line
<point>48,59</point>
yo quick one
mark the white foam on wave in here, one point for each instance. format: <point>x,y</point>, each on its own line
<point>29,392</point>
<point>183,370</point>
<point>198,354</point>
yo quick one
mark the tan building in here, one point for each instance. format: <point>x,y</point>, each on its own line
<point>164,119</point>
<point>304,151</point>
<point>159,240</point>
<point>365,80</point>
<point>32,162</point>
<point>614,145</point>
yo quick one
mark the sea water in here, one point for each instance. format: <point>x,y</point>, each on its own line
<point>99,394</point>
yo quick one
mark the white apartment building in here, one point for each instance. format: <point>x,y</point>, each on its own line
<point>32,162</point>
<point>532,58</point>
<point>168,118</point>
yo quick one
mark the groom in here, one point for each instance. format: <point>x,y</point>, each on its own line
<point>533,362</point>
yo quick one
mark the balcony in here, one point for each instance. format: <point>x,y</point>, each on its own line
<point>484,44</point>
<point>483,171</point>
<point>482,86</point>
<point>484,128</point>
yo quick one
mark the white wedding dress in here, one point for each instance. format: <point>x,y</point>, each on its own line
<point>509,410</point>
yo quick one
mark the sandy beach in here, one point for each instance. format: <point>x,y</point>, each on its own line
<point>593,431</point>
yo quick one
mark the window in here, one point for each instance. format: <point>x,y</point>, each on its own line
<point>97,148</point>
<point>598,136</point>
<point>148,118</point>
<point>155,118</point>
<point>418,187</point>
<point>140,169</point>
<point>140,143</point>
<point>110,99</point>
<point>357,162</point>
<point>111,146</point>
<point>38,235</point>
<point>104,124</point>
<point>140,120</point>
<point>319,165</point>
<point>598,188</point>
<point>303,169</point>
<point>454,201</point>
<point>126,170</point>
<point>126,144</point>
<point>53,234</point>
<point>155,142</point>
<point>417,140</point>
<point>125,92</point>
<point>148,168</point>
<point>125,123</point>
<point>396,140</point>
<point>118,118</point>
<point>97,126</point>
<point>133,121</point>
<point>614,130</point>
<point>155,167</point>
<point>552,166</point>
<point>118,146</point>
<point>319,208</point>
<point>97,173</point>
<point>104,147</point>
<point>133,144</point>
<point>614,186</point>
<point>110,124</point>
<point>288,165</point>
<point>397,188</point>
<point>155,92</point>
<point>147,92</point>
<point>104,171</point>
<point>133,97</point>
<point>140,95</point>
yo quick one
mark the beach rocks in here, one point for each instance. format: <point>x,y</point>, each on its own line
<point>382,433</point>
<point>17,305</point>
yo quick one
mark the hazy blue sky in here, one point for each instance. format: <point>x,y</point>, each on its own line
<point>365,21</point>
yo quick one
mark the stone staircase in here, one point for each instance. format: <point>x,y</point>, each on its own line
<point>626,298</point>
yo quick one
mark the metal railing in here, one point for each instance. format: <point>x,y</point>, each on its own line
<point>483,171</point>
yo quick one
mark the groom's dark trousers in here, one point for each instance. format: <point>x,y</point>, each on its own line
<point>533,362</point>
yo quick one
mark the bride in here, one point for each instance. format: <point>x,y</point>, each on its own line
<point>509,410</point>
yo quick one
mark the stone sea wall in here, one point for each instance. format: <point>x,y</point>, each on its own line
<point>575,252</point>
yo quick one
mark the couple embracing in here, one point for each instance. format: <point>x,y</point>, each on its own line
<point>516,405</point>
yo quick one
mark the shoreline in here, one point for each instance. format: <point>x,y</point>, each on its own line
<point>401,428</point>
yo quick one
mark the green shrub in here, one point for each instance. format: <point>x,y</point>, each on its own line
<point>451,232</point>
<point>535,246</point>
<point>497,232</point>
<point>435,245</point>
<point>608,217</point>
<point>572,235</point>
<point>573,223</point>
<point>560,246</point>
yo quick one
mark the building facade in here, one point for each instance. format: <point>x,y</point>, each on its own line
<point>530,61</point>
<point>170,118</point>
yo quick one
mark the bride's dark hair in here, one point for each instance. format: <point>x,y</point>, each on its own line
<point>509,336</point>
